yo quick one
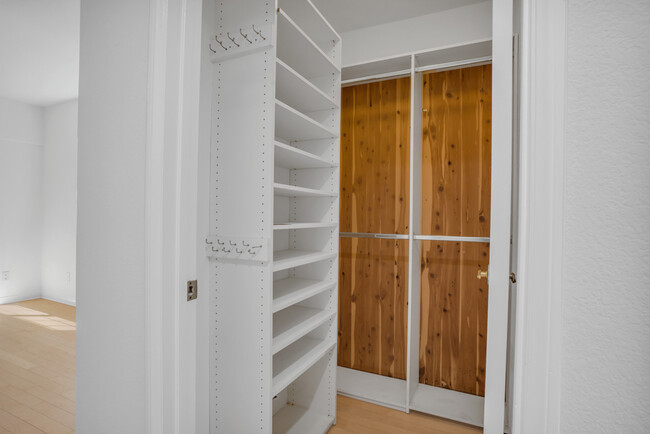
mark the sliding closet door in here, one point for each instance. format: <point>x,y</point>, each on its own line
<point>373,280</point>
<point>455,202</point>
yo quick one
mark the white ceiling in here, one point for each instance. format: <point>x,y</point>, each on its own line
<point>39,40</point>
<point>346,15</point>
<point>39,50</point>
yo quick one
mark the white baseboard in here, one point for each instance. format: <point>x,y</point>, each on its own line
<point>372,388</point>
<point>60,300</point>
<point>18,298</point>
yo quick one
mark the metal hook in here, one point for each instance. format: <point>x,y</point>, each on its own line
<point>259,33</point>
<point>213,249</point>
<point>221,243</point>
<point>251,251</point>
<point>223,249</point>
<point>245,36</point>
<point>232,39</point>
<point>245,244</point>
<point>210,47</point>
<point>220,43</point>
<point>231,243</point>
<point>207,242</point>
<point>239,251</point>
<point>256,247</point>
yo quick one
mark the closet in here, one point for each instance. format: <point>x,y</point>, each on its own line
<point>354,213</point>
<point>415,231</point>
<point>274,211</point>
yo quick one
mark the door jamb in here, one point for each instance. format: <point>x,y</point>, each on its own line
<point>536,392</point>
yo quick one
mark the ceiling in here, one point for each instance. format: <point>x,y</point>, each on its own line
<point>39,40</point>
<point>346,15</point>
<point>39,50</point>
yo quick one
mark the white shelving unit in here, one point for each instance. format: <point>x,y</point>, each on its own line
<point>275,184</point>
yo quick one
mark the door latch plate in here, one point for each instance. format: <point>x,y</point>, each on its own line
<point>192,290</point>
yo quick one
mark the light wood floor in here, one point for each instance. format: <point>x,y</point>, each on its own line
<point>37,383</point>
<point>358,417</point>
<point>37,367</point>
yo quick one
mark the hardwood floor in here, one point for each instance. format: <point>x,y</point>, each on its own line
<point>37,380</point>
<point>37,367</point>
<point>358,417</point>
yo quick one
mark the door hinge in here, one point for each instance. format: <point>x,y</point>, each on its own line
<point>192,290</point>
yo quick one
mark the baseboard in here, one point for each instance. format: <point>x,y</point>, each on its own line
<point>60,300</point>
<point>18,298</point>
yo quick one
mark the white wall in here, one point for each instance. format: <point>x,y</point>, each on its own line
<point>21,163</point>
<point>111,211</point>
<point>60,203</point>
<point>606,291</point>
<point>454,26</point>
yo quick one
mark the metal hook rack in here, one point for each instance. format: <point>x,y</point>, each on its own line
<point>232,39</point>
<point>220,43</point>
<point>245,36</point>
<point>259,33</point>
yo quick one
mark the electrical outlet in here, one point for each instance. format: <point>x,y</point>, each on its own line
<point>5,275</point>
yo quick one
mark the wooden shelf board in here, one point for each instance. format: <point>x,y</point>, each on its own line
<point>287,292</point>
<point>294,191</point>
<point>292,419</point>
<point>293,361</point>
<point>297,50</point>
<point>284,259</point>
<point>293,126</point>
<point>294,322</point>
<point>298,92</point>
<point>291,157</point>
<point>292,225</point>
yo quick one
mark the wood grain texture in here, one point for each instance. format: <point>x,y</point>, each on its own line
<point>373,286</point>
<point>358,417</point>
<point>375,129</point>
<point>456,153</point>
<point>37,367</point>
<point>373,279</point>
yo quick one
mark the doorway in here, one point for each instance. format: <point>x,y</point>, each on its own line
<point>415,220</point>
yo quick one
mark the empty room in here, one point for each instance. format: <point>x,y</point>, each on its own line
<point>324,216</point>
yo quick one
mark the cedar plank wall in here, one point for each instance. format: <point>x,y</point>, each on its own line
<point>373,280</point>
<point>456,153</point>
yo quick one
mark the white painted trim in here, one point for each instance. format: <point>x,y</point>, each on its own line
<point>154,197</point>
<point>450,404</point>
<point>536,398</point>
<point>171,214</point>
<point>376,389</point>
<point>419,52</point>
<point>500,230</point>
<point>60,300</point>
<point>18,298</point>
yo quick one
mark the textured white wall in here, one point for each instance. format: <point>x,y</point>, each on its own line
<point>60,203</point>
<point>113,86</point>
<point>606,284</point>
<point>453,26</point>
<point>21,192</point>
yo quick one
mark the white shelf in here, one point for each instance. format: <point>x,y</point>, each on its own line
<point>287,292</point>
<point>294,191</point>
<point>292,419</point>
<point>292,225</point>
<point>298,92</point>
<point>284,259</point>
<point>293,126</point>
<point>297,50</point>
<point>309,17</point>
<point>294,322</point>
<point>291,157</point>
<point>294,360</point>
